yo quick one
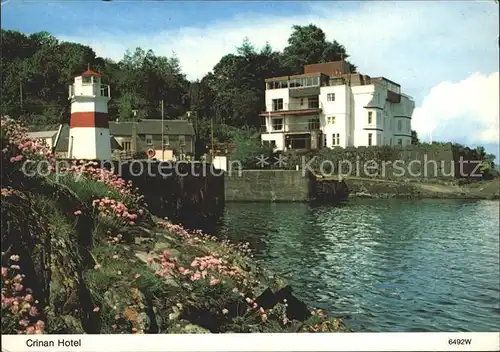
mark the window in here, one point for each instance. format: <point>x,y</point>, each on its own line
<point>325,140</point>
<point>149,139</point>
<point>270,144</point>
<point>182,139</point>
<point>313,103</point>
<point>166,141</point>
<point>277,124</point>
<point>370,139</point>
<point>126,146</point>
<point>277,84</point>
<point>314,124</point>
<point>304,82</point>
<point>336,139</point>
<point>330,120</point>
<point>370,114</point>
<point>86,79</point>
<point>263,124</point>
<point>277,104</point>
<point>400,141</point>
<point>330,97</point>
<point>301,101</point>
<point>399,126</point>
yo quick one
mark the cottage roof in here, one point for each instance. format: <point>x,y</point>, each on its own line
<point>63,142</point>
<point>42,134</point>
<point>153,127</point>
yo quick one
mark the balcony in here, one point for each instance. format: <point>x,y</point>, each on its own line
<point>292,126</point>
<point>90,90</point>
<point>295,109</point>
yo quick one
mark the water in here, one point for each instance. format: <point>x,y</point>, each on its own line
<point>385,265</point>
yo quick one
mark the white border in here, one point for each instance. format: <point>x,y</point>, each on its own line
<point>262,342</point>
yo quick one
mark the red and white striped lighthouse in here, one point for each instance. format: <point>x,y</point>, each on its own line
<point>89,137</point>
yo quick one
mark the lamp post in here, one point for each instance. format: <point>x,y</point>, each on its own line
<point>162,134</point>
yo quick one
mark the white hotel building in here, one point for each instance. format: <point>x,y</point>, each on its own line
<point>328,107</point>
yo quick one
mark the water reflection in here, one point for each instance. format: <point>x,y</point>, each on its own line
<point>388,265</point>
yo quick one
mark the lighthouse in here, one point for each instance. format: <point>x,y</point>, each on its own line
<point>89,137</point>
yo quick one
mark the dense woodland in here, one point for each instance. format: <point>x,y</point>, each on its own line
<point>37,70</point>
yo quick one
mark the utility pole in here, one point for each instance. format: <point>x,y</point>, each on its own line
<point>133,144</point>
<point>21,93</point>
<point>162,134</point>
<point>212,138</point>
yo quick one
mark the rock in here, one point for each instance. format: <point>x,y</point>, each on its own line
<point>267,299</point>
<point>112,299</point>
<point>296,310</point>
<point>175,314</point>
<point>185,327</point>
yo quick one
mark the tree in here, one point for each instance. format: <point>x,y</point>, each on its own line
<point>308,45</point>
<point>414,138</point>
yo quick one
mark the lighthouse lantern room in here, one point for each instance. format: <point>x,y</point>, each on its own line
<point>89,137</point>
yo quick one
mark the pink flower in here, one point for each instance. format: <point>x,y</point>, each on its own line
<point>149,260</point>
<point>114,326</point>
<point>137,276</point>
<point>28,298</point>
<point>4,272</point>
<point>214,282</point>
<point>30,330</point>
<point>96,309</point>
<point>182,270</point>
<point>40,325</point>
<point>77,212</point>
<point>33,311</point>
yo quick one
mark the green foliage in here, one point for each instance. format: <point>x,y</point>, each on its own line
<point>38,68</point>
<point>414,138</point>
<point>308,45</point>
<point>247,146</point>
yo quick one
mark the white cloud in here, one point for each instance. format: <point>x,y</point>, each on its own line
<point>467,111</point>
<point>417,44</point>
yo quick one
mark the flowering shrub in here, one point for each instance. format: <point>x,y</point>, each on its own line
<point>19,312</point>
<point>110,207</point>
<point>24,148</point>
<point>197,236</point>
<point>19,144</point>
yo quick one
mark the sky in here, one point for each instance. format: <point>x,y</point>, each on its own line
<point>445,54</point>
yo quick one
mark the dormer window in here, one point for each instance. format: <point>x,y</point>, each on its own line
<point>86,79</point>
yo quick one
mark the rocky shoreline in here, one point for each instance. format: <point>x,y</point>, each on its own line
<point>84,255</point>
<point>385,189</point>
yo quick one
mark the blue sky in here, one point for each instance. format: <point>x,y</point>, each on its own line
<point>444,54</point>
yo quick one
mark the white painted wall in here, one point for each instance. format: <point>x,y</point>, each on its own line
<point>351,116</point>
<point>89,143</point>
<point>220,162</point>
<point>281,93</point>
<point>278,138</point>
<point>88,104</point>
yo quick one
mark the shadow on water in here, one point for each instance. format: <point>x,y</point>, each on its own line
<point>389,265</point>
